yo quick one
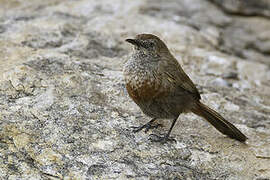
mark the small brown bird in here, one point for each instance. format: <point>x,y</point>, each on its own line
<point>159,86</point>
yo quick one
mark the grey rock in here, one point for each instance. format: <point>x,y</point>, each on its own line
<point>244,36</point>
<point>245,7</point>
<point>220,82</point>
<point>64,110</point>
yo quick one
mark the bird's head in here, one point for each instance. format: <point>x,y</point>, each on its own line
<point>149,44</point>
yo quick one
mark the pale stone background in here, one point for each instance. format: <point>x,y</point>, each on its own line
<point>64,111</point>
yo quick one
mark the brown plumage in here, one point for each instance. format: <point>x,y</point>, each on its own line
<point>160,87</point>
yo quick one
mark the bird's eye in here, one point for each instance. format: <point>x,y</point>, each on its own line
<point>151,44</point>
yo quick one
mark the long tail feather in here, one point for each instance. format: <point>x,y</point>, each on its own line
<point>218,122</point>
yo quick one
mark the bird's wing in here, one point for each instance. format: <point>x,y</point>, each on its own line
<point>176,75</point>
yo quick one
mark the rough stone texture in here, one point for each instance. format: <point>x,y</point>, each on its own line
<point>245,7</point>
<point>64,111</point>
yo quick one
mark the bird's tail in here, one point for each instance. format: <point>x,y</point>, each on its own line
<point>218,122</point>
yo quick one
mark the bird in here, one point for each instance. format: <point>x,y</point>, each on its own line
<point>156,82</point>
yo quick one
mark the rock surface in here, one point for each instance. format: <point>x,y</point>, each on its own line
<point>64,110</point>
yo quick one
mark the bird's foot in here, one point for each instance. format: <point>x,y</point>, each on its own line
<point>146,126</point>
<point>161,138</point>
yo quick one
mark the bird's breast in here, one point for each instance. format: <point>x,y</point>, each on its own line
<point>142,85</point>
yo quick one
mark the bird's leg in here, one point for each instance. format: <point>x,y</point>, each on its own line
<point>146,126</point>
<point>164,138</point>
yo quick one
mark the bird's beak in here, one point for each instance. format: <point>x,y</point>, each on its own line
<point>133,41</point>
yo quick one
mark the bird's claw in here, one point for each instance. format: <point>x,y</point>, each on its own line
<point>147,127</point>
<point>161,139</point>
